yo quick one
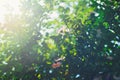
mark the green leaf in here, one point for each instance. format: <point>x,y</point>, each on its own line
<point>106,25</point>
<point>8,58</point>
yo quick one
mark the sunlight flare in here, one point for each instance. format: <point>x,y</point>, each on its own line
<point>8,7</point>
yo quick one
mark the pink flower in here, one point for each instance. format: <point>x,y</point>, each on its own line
<point>56,65</point>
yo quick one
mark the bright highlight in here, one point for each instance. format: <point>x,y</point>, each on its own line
<point>8,7</point>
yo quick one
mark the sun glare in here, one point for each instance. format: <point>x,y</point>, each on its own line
<point>8,7</point>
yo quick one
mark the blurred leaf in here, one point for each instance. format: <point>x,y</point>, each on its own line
<point>51,44</point>
<point>39,76</point>
<point>8,58</point>
<point>48,62</point>
<point>106,25</point>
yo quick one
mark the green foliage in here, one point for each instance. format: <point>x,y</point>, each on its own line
<point>86,33</point>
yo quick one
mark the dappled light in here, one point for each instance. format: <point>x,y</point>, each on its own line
<point>59,40</point>
<point>9,8</point>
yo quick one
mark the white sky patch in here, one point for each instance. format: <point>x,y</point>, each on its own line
<point>50,71</point>
<point>98,7</point>
<point>112,41</point>
<point>71,10</point>
<point>117,37</point>
<point>13,68</point>
<point>44,31</point>
<point>77,76</point>
<point>4,62</point>
<point>62,4</point>
<point>8,7</point>
<point>98,1</point>
<point>96,14</point>
<point>76,3</point>
<point>42,3</point>
<point>53,15</point>
<point>115,42</point>
<point>118,43</point>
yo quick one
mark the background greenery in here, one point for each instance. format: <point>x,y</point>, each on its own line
<point>85,32</point>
